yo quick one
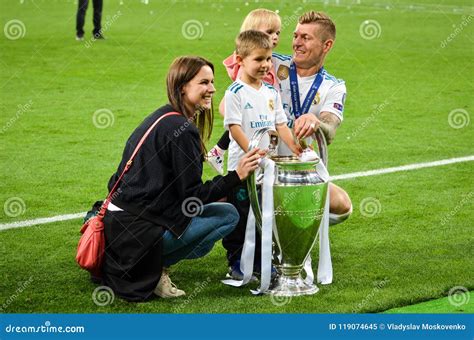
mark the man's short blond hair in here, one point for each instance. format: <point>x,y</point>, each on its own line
<point>250,40</point>
<point>328,28</point>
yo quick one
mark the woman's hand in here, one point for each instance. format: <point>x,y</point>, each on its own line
<point>248,163</point>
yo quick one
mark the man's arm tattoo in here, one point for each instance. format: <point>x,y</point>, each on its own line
<point>329,125</point>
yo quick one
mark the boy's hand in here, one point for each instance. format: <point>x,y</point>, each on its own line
<point>298,149</point>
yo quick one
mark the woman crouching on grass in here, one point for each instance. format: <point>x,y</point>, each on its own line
<point>163,212</point>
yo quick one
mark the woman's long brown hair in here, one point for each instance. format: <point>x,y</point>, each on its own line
<point>181,71</point>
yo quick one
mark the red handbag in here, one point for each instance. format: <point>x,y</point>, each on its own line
<point>91,247</point>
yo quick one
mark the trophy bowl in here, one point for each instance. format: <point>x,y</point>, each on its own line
<point>299,198</point>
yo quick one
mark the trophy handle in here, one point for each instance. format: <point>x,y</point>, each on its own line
<point>252,178</point>
<point>252,182</point>
<point>322,146</point>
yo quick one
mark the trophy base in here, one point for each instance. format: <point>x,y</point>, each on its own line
<point>291,286</point>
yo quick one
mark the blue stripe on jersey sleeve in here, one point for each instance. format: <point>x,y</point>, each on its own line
<point>233,87</point>
<point>282,57</point>
<point>269,86</point>
<point>327,76</point>
<point>236,89</point>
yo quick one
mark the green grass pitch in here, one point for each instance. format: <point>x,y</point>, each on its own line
<point>408,70</point>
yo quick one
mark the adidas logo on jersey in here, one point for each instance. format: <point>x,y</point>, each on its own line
<point>248,106</point>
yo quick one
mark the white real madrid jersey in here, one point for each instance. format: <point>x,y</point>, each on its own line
<point>253,110</point>
<point>330,96</point>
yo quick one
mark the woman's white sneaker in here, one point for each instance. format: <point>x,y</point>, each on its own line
<point>167,289</point>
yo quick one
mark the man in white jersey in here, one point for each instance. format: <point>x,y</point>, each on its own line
<point>311,97</point>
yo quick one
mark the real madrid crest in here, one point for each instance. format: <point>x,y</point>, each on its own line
<point>271,105</point>
<point>283,72</point>
<point>317,99</point>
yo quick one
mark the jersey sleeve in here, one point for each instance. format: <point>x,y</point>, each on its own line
<point>233,114</point>
<point>335,99</point>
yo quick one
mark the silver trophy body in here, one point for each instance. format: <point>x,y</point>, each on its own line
<point>299,198</point>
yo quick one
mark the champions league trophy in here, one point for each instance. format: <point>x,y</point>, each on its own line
<point>299,200</point>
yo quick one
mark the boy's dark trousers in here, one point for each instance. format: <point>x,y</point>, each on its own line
<point>234,242</point>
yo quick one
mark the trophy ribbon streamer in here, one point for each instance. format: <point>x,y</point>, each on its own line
<point>267,226</point>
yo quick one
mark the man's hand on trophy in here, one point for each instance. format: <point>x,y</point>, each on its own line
<point>306,125</point>
<point>248,163</point>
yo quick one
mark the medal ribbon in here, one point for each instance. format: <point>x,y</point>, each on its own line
<point>295,92</point>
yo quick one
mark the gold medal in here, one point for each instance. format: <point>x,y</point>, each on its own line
<point>283,72</point>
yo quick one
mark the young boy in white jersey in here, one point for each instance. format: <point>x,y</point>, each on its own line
<point>250,105</point>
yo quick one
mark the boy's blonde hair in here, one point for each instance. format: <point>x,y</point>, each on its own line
<point>328,28</point>
<point>256,18</point>
<point>247,41</point>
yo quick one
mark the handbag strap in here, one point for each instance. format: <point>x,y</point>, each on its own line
<point>130,161</point>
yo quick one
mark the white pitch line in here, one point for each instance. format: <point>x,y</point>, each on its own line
<point>408,167</point>
<point>38,221</point>
<point>403,168</point>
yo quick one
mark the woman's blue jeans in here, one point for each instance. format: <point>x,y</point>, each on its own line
<point>215,221</point>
